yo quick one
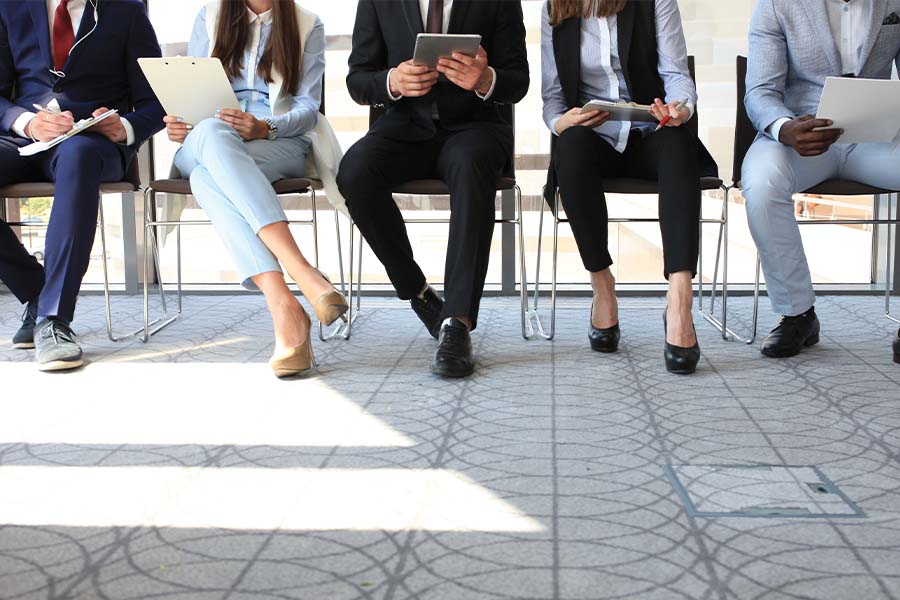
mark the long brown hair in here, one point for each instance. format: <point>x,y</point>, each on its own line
<point>282,50</point>
<point>560,10</point>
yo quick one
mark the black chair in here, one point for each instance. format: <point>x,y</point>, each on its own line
<point>131,184</point>
<point>745,134</point>
<point>436,187</point>
<point>633,186</point>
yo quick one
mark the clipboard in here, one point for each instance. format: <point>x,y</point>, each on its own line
<point>82,125</point>
<point>621,111</point>
<point>430,47</point>
<point>866,109</point>
<point>190,88</point>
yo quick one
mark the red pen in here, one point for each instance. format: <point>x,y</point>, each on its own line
<point>668,118</point>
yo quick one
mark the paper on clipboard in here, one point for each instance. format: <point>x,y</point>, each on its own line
<point>866,109</point>
<point>82,125</point>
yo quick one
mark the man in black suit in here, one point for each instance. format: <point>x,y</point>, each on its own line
<point>442,124</point>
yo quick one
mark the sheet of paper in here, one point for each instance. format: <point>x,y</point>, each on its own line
<point>866,109</point>
<point>82,125</point>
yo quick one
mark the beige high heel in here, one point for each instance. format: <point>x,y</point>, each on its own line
<point>294,361</point>
<point>331,305</point>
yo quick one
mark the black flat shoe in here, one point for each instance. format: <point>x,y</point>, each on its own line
<point>897,348</point>
<point>680,361</point>
<point>428,309</point>
<point>605,340</point>
<point>454,353</point>
<point>792,335</point>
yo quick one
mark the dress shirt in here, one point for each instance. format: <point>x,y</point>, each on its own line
<point>252,91</point>
<point>602,77</point>
<point>445,22</point>
<point>75,9</point>
<point>849,20</point>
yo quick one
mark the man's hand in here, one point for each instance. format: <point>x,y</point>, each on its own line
<point>247,126</point>
<point>469,73</point>
<point>660,111</point>
<point>111,126</point>
<point>48,126</point>
<point>411,80</point>
<point>799,134</point>
<point>176,128</point>
<point>578,118</point>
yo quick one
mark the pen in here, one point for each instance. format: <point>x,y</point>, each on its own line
<point>48,109</point>
<point>668,118</point>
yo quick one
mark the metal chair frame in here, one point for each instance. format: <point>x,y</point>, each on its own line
<point>825,188</point>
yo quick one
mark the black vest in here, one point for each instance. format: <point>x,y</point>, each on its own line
<point>639,56</point>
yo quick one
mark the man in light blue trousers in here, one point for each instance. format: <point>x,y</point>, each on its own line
<point>794,46</point>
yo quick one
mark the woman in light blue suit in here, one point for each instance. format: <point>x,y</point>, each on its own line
<point>274,53</point>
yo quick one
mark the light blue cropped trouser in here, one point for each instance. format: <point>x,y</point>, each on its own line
<point>231,180</point>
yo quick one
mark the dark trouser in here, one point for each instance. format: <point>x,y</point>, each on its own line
<point>469,161</point>
<point>78,165</point>
<point>583,160</point>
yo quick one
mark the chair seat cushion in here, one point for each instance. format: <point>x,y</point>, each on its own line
<point>283,186</point>
<point>843,187</point>
<point>436,187</point>
<point>647,186</point>
<point>41,189</point>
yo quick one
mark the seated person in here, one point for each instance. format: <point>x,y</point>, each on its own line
<point>794,46</point>
<point>589,148</point>
<point>232,159</point>
<point>75,59</point>
<point>441,124</point>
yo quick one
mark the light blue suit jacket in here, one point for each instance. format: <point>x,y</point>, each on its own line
<point>792,51</point>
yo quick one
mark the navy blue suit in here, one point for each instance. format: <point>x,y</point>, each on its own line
<point>101,71</point>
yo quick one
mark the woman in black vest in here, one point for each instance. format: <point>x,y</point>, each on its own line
<point>625,51</point>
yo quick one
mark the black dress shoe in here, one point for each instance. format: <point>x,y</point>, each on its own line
<point>680,361</point>
<point>24,338</point>
<point>428,308</point>
<point>454,354</point>
<point>897,348</point>
<point>792,335</point>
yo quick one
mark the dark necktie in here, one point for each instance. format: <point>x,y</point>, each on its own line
<point>63,35</point>
<point>435,16</point>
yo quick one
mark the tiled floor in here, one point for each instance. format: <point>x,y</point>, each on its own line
<point>182,469</point>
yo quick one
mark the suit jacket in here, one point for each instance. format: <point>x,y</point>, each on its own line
<point>792,51</point>
<point>101,71</point>
<point>385,36</point>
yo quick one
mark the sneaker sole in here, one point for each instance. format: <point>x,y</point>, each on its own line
<point>61,365</point>
<point>24,346</point>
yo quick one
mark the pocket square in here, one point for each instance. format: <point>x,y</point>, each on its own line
<point>892,19</point>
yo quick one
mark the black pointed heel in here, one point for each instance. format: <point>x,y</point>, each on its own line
<point>603,340</point>
<point>680,361</point>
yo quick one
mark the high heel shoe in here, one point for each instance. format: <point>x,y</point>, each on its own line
<point>294,361</point>
<point>331,305</point>
<point>680,361</point>
<point>604,340</point>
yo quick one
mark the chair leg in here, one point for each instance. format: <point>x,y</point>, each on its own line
<point>523,288</point>
<point>887,266</point>
<point>340,332</point>
<point>107,296</point>
<point>534,326</point>
<point>151,253</point>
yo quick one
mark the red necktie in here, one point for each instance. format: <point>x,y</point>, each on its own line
<point>63,35</point>
<point>435,16</point>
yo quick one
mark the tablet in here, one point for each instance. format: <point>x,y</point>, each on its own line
<point>432,46</point>
<point>622,111</point>
<point>191,88</point>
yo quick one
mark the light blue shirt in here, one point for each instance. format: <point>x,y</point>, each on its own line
<point>602,77</point>
<point>252,91</point>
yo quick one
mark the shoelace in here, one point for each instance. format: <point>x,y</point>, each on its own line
<point>453,335</point>
<point>59,332</point>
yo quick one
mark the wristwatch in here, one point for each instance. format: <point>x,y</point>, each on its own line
<point>273,129</point>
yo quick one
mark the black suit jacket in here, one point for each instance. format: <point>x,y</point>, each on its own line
<point>385,36</point>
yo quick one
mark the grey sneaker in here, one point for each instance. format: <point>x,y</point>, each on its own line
<point>55,348</point>
<point>24,338</point>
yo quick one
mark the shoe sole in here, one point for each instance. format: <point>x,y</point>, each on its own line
<point>810,341</point>
<point>61,365</point>
<point>682,371</point>
<point>451,375</point>
<point>604,350</point>
<point>24,346</point>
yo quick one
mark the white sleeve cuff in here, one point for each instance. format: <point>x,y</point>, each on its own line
<point>775,128</point>
<point>129,132</point>
<point>691,109</point>
<point>490,91</point>
<point>388,84</point>
<point>553,125</point>
<point>21,123</point>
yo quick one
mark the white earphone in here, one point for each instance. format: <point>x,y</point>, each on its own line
<point>86,36</point>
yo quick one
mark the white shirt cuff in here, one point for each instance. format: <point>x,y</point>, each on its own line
<point>21,123</point>
<point>388,83</point>
<point>129,132</point>
<point>775,128</point>
<point>691,108</point>
<point>553,125</point>
<point>490,91</point>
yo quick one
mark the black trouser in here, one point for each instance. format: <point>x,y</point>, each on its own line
<point>583,160</point>
<point>469,161</point>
